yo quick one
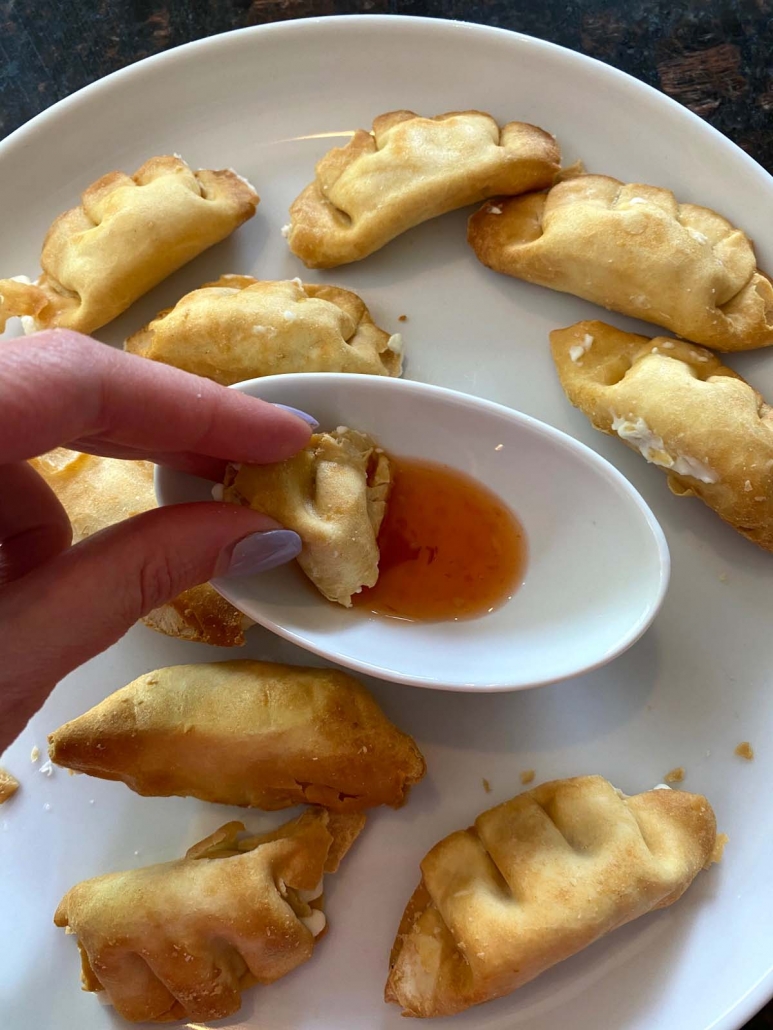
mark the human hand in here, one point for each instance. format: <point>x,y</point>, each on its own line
<point>60,605</point>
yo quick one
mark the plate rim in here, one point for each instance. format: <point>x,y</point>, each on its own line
<point>445,25</point>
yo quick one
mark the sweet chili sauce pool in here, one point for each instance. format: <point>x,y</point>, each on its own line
<point>450,548</point>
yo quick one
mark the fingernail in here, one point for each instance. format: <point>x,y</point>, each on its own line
<point>301,414</point>
<point>260,552</point>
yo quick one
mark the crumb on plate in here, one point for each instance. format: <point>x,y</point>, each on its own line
<point>719,848</point>
<point>8,785</point>
<point>402,318</point>
<point>676,775</point>
<point>486,785</point>
<point>35,753</point>
<point>745,750</point>
<point>527,776</point>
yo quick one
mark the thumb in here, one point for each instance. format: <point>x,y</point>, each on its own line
<point>76,605</point>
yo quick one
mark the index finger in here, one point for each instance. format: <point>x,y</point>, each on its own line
<point>58,387</point>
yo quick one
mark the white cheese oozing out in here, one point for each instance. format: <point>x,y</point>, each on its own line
<point>577,351</point>
<point>47,768</point>
<point>494,210</point>
<point>652,449</point>
<point>28,322</point>
<point>241,178</point>
<point>316,922</point>
<point>311,895</point>
<point>395,343</point>
<point>661,786</point>
<point>286,230</point>
<point>217,492</point>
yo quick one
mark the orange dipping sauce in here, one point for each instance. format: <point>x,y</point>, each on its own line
<point>450,548</point>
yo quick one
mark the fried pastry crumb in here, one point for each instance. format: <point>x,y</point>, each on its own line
<point>35,753</point>
<point>719,848</point>
<point>745,750</point>
<point>486,785</point>
<point>676,775</point>
<point>8,785</point>
<point>527,776</point>
<point>570,172</point>
<point>402,318</point>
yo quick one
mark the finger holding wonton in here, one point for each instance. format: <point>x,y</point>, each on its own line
<point>634,249</point>
<point>183,939</point>
<point>128,233</point>
<point>334,495</point>
<point>241,328</point>
<point>245,733</point>
<point>683,410</point>
<point>536,880</point>
<point>410,169</point>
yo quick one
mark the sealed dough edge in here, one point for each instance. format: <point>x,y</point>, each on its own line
<point>239,327</point>
<point>536,880</point>
<point>683,410</point>
<point>334,494</point>
<point>258,734</point>
<point>183,939</point>
<point>635,249</point>
<point>410,169</point>
<point>128,233</point>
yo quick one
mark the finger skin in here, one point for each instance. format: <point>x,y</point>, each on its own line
<point>33,524</point>
<point>64,612</point>
<point>61,389</point>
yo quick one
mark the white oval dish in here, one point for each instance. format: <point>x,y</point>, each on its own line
<point>598,563</point>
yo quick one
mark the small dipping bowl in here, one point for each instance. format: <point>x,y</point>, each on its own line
<point>598,563</point>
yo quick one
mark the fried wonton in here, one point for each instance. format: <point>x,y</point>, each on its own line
<point>241,328</point>
<point>537,879</point>
<point>334,495</point>
<point>410,169</point>
<point>8,785</point>
<point>128,233</point>
<point>183,939</point>
<point>245,733</point>
<point>97,492</point>
<point>633,249</point>
<point>683,410</point>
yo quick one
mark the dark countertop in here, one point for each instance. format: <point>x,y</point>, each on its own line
<point>712,55</point>
<point>715,56</point>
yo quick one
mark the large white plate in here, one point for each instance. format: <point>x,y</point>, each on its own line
<point>266,101</point>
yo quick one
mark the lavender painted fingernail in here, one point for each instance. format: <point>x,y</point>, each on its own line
<point>260,552</point>
<point>301,414</point>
